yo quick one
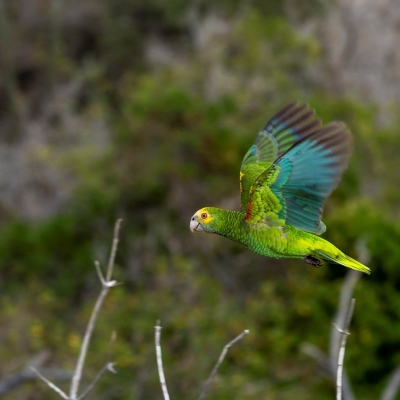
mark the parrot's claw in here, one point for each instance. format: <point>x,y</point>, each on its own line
<point>313,261</point>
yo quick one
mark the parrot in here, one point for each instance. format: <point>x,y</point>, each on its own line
<point>293,166</point>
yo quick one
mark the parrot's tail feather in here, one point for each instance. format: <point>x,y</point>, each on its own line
<point>342,259</point>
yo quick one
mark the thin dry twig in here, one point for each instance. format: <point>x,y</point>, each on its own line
<point>346,292</point>
<point>330,362</point>
<point>114,247</point>
<point>25,374</point>
<point>219,362</point>
<point>157,336</point>
<point>344,332</point>
<point>107,284</point>
<point>326,365</point>
<point>108,367</point>
<point>50,384</point>
<point>392,387</point>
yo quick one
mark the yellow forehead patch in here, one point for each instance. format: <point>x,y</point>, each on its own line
<point>202,213</point>
<point>241,175</point>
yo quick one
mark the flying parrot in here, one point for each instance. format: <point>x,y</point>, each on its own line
<point>293,165</point>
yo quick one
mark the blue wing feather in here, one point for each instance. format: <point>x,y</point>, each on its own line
<point>317,164</point>
<point>288,126</point>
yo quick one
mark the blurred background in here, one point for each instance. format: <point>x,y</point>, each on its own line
<point>143,110</point>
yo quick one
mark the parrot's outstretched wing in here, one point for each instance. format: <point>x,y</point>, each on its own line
<point>289,125</point>
<point>296,184</point>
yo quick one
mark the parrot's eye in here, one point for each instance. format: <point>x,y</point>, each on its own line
<point>204,215</point>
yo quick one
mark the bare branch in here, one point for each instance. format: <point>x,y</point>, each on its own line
<point>326,365</point>
<point>108,367</point>
<point>114,248</point>
<point>344,332</point>
<point>219,362</point>
<point>392,386</point>
<point>157,335</point>
<point>50,384</point>
<point>25,374</point>
<point>345,296</point>
<point>85,344</point>
<point>107,284</point>
<point>101,277</point>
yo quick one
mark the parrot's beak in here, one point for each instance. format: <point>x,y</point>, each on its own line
<point>195,224</point>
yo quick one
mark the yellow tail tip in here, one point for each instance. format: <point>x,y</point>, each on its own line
<point>346,261</point>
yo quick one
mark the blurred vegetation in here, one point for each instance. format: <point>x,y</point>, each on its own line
<point>178,133</point>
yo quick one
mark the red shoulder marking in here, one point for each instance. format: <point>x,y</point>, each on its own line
<point>248,211</point>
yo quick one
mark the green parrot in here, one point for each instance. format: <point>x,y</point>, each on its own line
<point>293,165</point>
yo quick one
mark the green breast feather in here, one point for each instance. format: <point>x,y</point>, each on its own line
<point>285,176</point>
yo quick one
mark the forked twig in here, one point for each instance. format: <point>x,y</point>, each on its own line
<point>329,362</point>
<point>108,367</point>
<point>106,285</point>
<point>157,336</point>
<point>219,362</point>
<point>345,332</point>
<point>345,296</point>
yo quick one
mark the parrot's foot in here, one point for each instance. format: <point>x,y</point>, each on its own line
<point>313,261</point>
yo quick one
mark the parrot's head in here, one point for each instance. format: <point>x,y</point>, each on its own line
<point>204,220</point>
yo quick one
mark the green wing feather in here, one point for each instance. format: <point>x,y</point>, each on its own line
<point>293,188</point>
<point>264,205</point>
